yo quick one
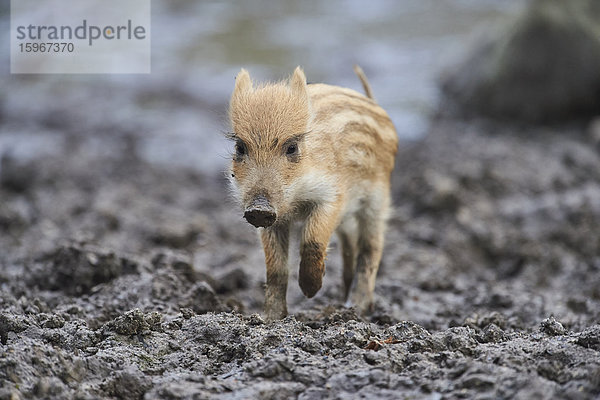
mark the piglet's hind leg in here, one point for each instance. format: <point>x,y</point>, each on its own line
<point>371,221</point>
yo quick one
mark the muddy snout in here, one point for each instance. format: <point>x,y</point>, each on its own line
<point>260,213</point>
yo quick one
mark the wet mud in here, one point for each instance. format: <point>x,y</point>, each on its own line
<point>122,279</point>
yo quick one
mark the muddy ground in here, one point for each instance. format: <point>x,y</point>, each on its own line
<point>128,280</point>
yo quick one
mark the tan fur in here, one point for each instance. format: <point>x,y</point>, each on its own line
<point>363,79</point>
<point>339,179</point>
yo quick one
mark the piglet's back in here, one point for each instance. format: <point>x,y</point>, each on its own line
<point>359,131</point>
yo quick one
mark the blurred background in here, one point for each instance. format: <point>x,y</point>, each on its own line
<point>177,113</point>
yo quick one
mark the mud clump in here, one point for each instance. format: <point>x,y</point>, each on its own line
<point>130,383</point>
<point>552,327</point>
<point>135,322</point>
<point>590,338</point>
<point>202,298</point>
<point>76,269</point>
<point>10,323</point>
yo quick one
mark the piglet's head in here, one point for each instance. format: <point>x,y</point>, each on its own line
<point>269,127</point>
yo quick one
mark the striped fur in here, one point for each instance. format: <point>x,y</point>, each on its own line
<point>337,179</point>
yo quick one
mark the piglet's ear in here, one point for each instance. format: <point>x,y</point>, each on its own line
<point>298,81</point>
<point>243,83</point>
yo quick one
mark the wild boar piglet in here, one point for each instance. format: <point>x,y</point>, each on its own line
<point>322,155</point>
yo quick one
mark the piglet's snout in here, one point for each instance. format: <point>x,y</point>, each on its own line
<point>260,213</point>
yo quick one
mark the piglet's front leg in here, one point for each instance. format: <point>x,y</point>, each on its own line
<point>313,249</point>
<point>275,240</point>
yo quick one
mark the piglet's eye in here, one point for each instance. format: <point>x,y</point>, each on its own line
<point>291,149</point>
<point>240,149</point>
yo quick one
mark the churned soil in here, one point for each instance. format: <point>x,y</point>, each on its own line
<point>122,279</point>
